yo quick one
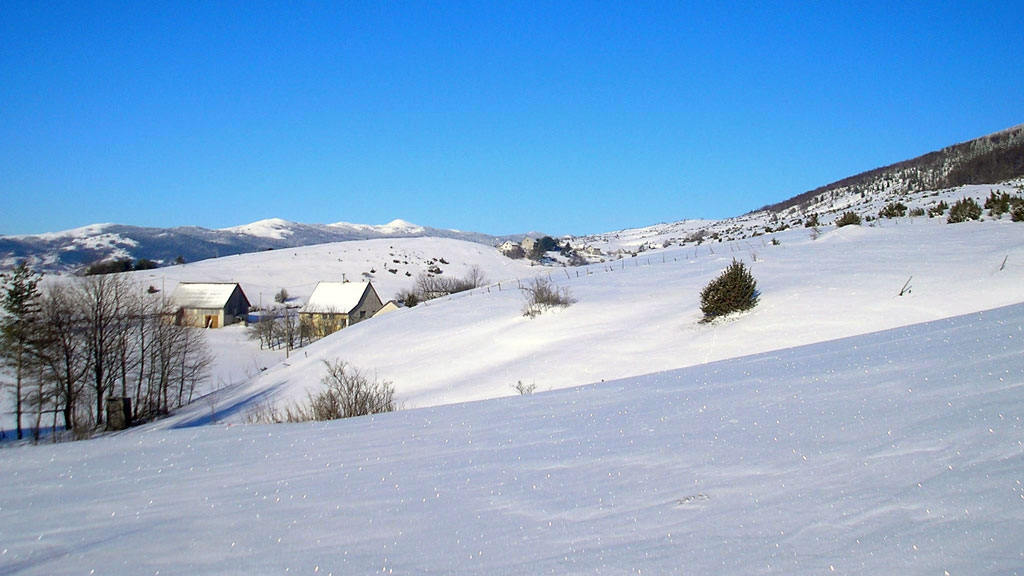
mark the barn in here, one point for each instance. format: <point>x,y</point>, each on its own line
<point>209,305</point>
<point>337,305</point>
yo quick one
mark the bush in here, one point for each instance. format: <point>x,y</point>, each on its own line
<point>525,389</point>
<point>734,290</point>
<point>429,286</point>
<point>1017,214</point>
<point>938,210</point>
<point>408,297</point>
<point>108,267</point>
<point>281,297</point>
<point>997,204</point>
<point>346,392</point>
<point>914,212</point>
<point>965,209</point>
<point>542,294</point>
<point>893,210</point>
<point>811,221</point>
<point>848,219</point>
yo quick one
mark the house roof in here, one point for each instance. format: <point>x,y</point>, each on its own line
<point>203,295</point>
<point>336,297</point>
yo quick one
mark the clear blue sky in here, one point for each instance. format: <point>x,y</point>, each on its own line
<point>498,117</point>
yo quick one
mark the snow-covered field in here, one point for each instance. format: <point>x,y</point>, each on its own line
<point>838,427</point>
<point>640,315</point>
<point>897,452</point>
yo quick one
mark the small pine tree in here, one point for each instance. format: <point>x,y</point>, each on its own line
<point>734,290</point>
<point>848,219</point>
<point>965,209</point>
<point>938,210</point>
<point>893,210</point>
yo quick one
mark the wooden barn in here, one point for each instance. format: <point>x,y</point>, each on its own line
<point>337,305</point>
<point>209,305</point>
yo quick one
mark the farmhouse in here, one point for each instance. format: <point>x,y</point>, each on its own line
<point>209,305</point>
<point>389,306</point>
<point>337,305</point>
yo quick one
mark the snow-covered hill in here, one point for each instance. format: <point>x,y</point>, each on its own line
<point>640,315</point>
<point>390,264</point>
<point>892,452</point>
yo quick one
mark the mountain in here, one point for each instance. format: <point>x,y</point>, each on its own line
<point>994,158</point>
<point>73,249</point>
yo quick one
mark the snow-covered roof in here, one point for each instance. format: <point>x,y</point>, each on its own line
<point>202,295</point>
<point>336,297</point>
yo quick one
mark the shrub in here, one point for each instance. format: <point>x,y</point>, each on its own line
<point>1017,214</point>
<point>965,209</point>
<point>541,294</point>
<point>281,297</point>
<point>893,210</point>
<point>914,212</point>
<point>734,290</point>
<point>525,389</point>
<point>429,286</point>
<point>848,219</point>
<point>346,392</point>
<point>408,297</point>
<point>811,221</point>
<point>108,267</point>
<point>938,210</point>
<point>997,204</point>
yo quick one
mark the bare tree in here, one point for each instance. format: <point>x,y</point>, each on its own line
<point>62,350</point>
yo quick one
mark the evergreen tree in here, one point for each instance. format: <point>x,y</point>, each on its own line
<point>734,290</point>
<point>19,301</point>
<point>964,210</point>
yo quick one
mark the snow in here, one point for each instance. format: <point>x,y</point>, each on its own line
<point>339,297</point>
<point>189,295</point>
<point>396,226</point>
<point>891,452</point>
<point>838,427</point>
<point>640,315</point>
<point>81,232</point>
<point>275,228</point>
<point>298,270</point>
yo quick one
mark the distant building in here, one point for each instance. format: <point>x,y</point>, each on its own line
<point>209,305</point>
<point>528,244</point>
<point>337,305</point>
<point>389,306</point>
<point>512,250</point>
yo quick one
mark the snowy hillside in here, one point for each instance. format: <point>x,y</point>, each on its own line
<point>390,264</point>
<point>890,453</point>
<point>827,208</point>
<point>640,315</point>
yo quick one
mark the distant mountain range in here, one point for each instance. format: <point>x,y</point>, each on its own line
<point>987,160</point>
<point>72,250</point>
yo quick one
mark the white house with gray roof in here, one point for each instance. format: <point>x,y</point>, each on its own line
<point>337,305</point>
<point>209,305</point>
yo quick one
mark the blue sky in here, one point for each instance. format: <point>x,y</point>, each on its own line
<point>504,117</point>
